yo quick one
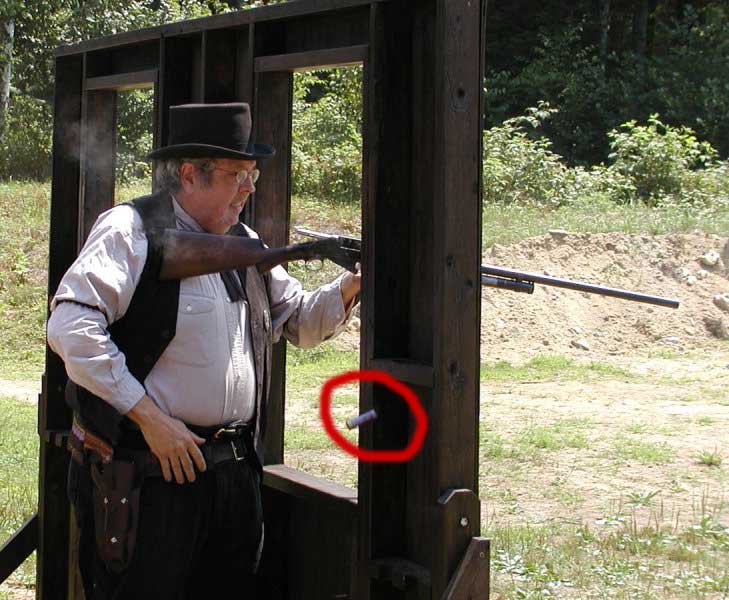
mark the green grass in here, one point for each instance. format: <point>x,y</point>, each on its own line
<point>503,224</point>
<point>549,368</point>
<point>24,210</point>
<point>18,473</point>
<point>629,448</point>
<point>621,560</point>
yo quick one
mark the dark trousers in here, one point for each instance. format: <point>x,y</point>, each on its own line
<point>195,540</point>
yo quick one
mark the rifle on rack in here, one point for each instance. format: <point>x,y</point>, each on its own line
<point>514,281</point>
<point>189,254</point>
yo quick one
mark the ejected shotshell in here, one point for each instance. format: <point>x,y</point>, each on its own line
<point>370,415</point>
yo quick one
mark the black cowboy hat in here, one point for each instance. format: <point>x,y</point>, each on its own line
<point>211,131</point>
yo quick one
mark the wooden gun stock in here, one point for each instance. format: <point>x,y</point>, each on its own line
<point>188,254</point>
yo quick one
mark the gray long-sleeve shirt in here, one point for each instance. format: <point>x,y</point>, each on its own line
<point>206,374</point>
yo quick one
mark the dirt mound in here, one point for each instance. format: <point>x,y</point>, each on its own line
<point>517,326</point>
<point>559,320</point>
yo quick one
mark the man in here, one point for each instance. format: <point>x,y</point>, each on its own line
<point>169,380</point>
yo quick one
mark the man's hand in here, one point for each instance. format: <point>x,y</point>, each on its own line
<point>350,286</point>
<point>174,445</point>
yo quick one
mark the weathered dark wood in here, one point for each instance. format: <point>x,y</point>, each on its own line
<point>123,81</point>
<point>471,579</point>
<point>320,59</point>
<point>125,59</point>
<point>308,487</point>
<point>99,153</point>
<point>310,549</point>
<point>410,372</point>
<point>385,301</point>
<point>456,198</point>
<point>220,65</point>
<point>271,220</point>
<point>19,547</point>
<point>53,508</point>
<point>176,80</point>
<point>244,85</point>
<point>316,32</point>
<point>273,12</point>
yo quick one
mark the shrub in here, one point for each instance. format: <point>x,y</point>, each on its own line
<point>657,158</point>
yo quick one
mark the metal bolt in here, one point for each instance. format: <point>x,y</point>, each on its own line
<point>482,555</point>
<point>113,540</point>
<point>464,521</point>
<point>123,500</point>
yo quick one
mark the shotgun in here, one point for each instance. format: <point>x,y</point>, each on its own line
<point>515,281</point>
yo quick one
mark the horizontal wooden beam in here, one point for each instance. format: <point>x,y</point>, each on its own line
<point>122,81</point>
<point>315,59</point>
<point>273,12</point>
<point>19,547</point>
<point>309,487</point>
<point>408,371</point>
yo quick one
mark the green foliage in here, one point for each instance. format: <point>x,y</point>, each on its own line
<point>682,76</point>
<point>657,158</point>
<point>135,123</point>
<point>652,164</point>
<point>326,147</point>
<point>25,149</point>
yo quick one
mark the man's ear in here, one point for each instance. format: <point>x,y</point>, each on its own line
<point>188,176</point>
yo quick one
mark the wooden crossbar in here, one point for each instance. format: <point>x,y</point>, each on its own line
<point>19,547</point>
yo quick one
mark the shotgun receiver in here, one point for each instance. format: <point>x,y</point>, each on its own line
<point>517,281</point>
<point>189,254</point>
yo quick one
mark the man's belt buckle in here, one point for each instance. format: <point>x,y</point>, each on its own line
<point>235,451</point>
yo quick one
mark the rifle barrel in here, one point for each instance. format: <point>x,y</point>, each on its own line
<point>579,286</point>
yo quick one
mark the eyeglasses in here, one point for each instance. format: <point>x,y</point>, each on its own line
<point>242,175</point>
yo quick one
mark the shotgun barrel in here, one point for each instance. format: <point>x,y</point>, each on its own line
<point>515,281</point>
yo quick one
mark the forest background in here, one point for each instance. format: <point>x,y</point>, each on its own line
<point>626,99</point>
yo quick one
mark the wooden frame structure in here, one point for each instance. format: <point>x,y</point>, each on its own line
<point>411,529</point>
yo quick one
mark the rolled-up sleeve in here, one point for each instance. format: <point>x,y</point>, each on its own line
<point>94,293</point>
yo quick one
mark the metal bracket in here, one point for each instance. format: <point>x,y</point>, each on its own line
<point>403,574</point>
<point>471,579</point>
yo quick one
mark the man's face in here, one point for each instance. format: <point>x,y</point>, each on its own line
<point>218,205</point>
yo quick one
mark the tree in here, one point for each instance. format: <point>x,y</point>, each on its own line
<point>7,37</point>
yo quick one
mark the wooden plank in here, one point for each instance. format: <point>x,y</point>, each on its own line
<point>471,580</point>
<point>271,216</point>
<point>319,59</point>
<point>19,547</point>
<point>244,85</point>
<point>124,59</point>
<point>320,31</point>
<point>309,487</point>
<point>122,81</point>
<point>310,549</point>
<point>387,198</point>
<point>273,12</point>
<point>220,65</point>
<point>53,413</point>
<point>175,81</point>
<point>451,451</point>
<point>407,371</point>
<point>99,152</point>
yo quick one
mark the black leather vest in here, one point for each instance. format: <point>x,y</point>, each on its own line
<point>150,322</point>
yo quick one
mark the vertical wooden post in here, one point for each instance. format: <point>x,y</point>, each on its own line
<point>99,154</point>
<point>273,125</point>
<point>53,414</point>
<point>421,303</point>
